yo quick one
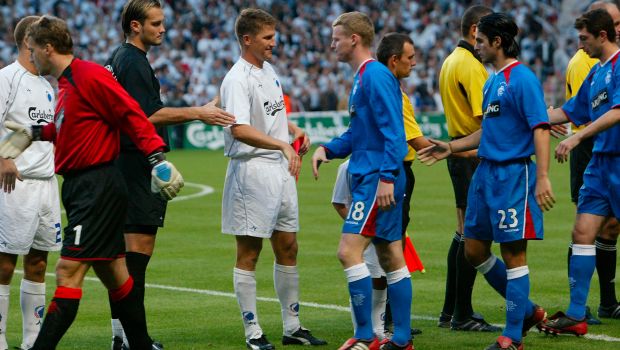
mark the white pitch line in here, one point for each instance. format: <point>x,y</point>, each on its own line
<point>601,337</point>
<point>204,190</point>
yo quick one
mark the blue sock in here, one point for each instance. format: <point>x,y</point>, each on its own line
<point>400,292</point>
<point>580,271</point>
<point>360,291</point>
<point>494,271</point>
<point>517,291</point>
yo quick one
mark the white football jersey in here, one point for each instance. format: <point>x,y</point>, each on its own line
<point>254,96</point>
<point>28,99</point>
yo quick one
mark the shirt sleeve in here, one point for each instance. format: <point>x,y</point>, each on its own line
<point>529,99</point>
<point>387,107</point>
<point>412,129</point>
<point>5,90</point>
<point>99,88</point>
<point>236,100</point>
<point>615,98</point>
<point>339,147</point>
<point>473,81</point>
<point>577,109</point>
<point>342,192</point>
<point>138,81</point>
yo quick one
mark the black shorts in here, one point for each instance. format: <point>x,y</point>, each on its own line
<point>145,210</point>
<point>461,171</point>
<point>410,178</point>
<point>96,202</point>
<point>579,158</point>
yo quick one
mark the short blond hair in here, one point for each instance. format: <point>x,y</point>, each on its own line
<point>357,23</point>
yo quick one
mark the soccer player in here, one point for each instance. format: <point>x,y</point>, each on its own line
<point>500,204</point>
<point>29,208</point>
<point>142,22</point>
<point>376,142</point>
<point>92,111</point>
<point>599,199</point>
<point>461,79</point>
<point>576,72</point>
<point>260,196</point>
<point>396,51</point>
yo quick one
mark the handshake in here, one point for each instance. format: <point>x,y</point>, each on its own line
<point>165,178</point>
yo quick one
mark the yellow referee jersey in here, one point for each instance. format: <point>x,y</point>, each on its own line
<point>576,72</point>
<point>461,80</point>
<point>412,129</point>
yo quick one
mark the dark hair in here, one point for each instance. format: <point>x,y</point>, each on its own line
<point>21,28</point>
<point>251,21</point>
<point>502,26</point>
<point>136,10</point>
<point>392,44</point>
<point>54,31</point>
<point>471,16</point>
<point>596,21</point>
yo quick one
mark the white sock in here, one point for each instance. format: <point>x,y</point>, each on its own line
<point>379,300</point>
<point>286,283</point>
<point>117,330</point>
<point>5,290</point>
<point>245,289</point>
<point>32,300</point>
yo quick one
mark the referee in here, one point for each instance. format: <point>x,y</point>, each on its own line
<point>143,25</point>
<point>461,79</point>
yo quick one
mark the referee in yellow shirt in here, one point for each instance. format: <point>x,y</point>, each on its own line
<point>606,252</point>
<point>461,80</point>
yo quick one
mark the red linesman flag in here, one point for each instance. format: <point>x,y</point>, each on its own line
<point>411,256</point>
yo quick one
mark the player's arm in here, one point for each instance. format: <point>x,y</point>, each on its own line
<point>544,194</point>
<point>606,121</point>
<point>8,175</point>
<point>209,114</point>
<point>340,147</point>
<point>440,150</point>
<point>256,138</point>
<point>299,134</point>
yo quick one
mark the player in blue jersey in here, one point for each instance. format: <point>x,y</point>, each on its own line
<point>507,190</point>
<point>376,142</point>
<point>597,102</point>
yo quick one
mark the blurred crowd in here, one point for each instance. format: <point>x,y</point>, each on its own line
<point>200,45</point>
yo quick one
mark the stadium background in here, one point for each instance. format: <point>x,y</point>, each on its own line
<point>188,299</point>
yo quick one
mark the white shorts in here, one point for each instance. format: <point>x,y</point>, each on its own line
<point>372,262</point>
<point>30,217</point>
<point>260,196</point>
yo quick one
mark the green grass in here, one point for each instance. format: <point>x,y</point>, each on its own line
<point>192,253</point>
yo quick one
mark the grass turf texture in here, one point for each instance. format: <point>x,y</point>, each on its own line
<point>192,253</point>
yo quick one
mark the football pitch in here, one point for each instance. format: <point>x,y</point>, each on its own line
<point>190,301</point>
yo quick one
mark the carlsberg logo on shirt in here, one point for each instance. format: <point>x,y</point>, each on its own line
<point>274,107</point>
<point>40,116</point>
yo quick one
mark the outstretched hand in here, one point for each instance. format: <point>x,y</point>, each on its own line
<point>432,154</point>
<point>318,157</point>
<point>213,115</point>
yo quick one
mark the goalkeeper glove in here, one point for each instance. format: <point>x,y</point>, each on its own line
<point>165,178</point>
<point>13,144</point>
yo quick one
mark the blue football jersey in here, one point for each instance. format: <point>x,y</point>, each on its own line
<point>598,94</point>
<point>513,105</point>
<point>376,135</point>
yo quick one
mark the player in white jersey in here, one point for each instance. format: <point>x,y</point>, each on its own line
<point>29,203</point>
<point>341,200</point>
<point>260,197</point>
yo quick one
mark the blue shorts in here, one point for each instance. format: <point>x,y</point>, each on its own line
<point>600,193</point>
<point>501,203</point>
<point>365,218</point>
